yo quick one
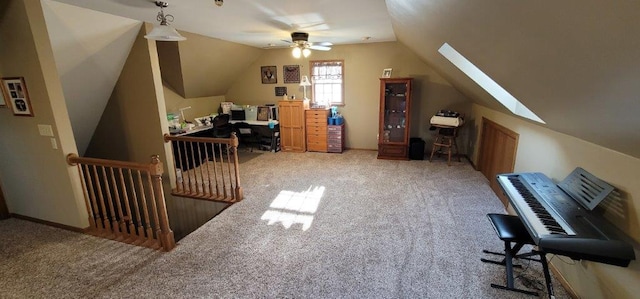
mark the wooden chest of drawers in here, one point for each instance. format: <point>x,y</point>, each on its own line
<point>335,138</point>
<point>316,125</point>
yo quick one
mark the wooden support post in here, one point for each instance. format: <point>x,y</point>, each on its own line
<point>166,234</point>
<point>239,194</point>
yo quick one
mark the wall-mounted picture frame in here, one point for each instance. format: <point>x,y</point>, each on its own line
<point>386,73</point>
<point>263,113</point>
<point>15,93</point>
<point>3,103</point>
<point>269,74</point>
<point>280,91</point>
<point>291,73</point>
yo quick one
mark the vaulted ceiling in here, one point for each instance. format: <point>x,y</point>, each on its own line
<point>574,63</point>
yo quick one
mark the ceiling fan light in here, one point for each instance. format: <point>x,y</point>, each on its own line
<point>306,52</point>
<point>296,52</point>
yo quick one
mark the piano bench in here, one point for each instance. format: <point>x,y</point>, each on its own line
<point>510,228</point>
<point>514,234</point>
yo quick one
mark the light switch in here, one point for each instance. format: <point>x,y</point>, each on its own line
<point>45,130</point>
<point>54,143</point>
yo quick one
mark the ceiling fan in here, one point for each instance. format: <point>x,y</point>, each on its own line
<point>302,46</point>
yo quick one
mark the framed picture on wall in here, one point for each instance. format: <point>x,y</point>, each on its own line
<point>3,104</point>
<point>263,113</point>
<point>291,73</point>
<point>15,93</point>
<point>386,73</point>
<point>269,74</point>
<point>281,90</point>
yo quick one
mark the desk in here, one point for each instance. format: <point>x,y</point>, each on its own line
<point>255,122</point>
<point>194,131</point>
<point>268,139</point>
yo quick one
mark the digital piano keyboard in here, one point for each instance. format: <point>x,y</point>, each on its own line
<point>562,225</point>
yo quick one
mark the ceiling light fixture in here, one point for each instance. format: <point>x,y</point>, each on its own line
<point>296,52</point>
<point>164,32</point>
<point>300,50</point>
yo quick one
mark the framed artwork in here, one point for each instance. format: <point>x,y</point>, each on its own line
<point>386,73</point>
<point>291,73</point>
<point>15,93</point>
<point>263,113</point>
<point>2,102</point>
<point>281,90</point>
<point>269,74</point>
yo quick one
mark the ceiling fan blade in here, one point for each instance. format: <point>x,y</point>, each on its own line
<point>320,48</point>
<point>325,44</point>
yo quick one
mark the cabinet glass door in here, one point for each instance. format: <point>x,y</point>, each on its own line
<point>395,112</point>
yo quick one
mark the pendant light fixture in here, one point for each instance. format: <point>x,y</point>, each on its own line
<point>164,32</point>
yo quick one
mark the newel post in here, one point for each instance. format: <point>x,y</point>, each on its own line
<point>166,234</point>
<point>239,194</point>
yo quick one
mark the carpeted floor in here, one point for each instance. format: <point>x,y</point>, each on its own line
<point>312,225</point>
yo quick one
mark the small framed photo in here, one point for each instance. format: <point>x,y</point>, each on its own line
<point>386,73</point>
<point>15,93</point>
<point>269,74</point>
<point>263,113</point>
<point>280,91</point>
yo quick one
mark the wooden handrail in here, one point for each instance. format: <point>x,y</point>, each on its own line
<point>233,141</point>
<point>74,159</point>
<point>206,168</point>
<point>116,200</point>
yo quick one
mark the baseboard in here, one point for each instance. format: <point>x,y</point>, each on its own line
<point>563,281</point>
<point>49,223</point>
<point>360,149</point>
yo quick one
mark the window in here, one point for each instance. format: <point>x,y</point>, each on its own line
<point>492,87</point>
<point>327,82</point>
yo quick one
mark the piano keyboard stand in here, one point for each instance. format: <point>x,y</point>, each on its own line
<point>512,231</point>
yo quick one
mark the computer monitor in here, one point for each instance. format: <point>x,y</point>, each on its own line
<point>238,115</point>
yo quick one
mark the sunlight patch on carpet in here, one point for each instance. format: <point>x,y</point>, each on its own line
<point>289,207</point>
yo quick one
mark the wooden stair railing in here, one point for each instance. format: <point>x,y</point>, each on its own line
<point>206,168</point>
<point>125,201</point>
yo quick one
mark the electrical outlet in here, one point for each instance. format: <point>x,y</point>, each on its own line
<point>45,130</point>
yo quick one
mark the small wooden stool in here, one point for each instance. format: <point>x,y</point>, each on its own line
<point>446,138</point>
<point>510,229</point>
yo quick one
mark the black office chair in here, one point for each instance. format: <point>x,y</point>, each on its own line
<point>222,128</point>
<point>514,234</point>
<point>246,135</point>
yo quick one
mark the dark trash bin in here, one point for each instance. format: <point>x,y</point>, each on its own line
<point>416,148</point>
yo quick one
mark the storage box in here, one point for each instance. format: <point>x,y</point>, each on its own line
<point>251,112</point>
<point>336,121</point>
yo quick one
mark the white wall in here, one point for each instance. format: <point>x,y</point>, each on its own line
<point>556,155</point>
<point>36,179</point>
<point>363,65</point>
<point>90,49</point>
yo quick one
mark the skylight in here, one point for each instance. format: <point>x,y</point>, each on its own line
<point>495,90</point>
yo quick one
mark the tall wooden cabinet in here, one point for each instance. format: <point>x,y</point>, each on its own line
<point>394,122</point>
<point>292,126</point>
<point>316,122</point>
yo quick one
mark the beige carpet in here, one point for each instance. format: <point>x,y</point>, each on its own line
<point>312,225</point>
